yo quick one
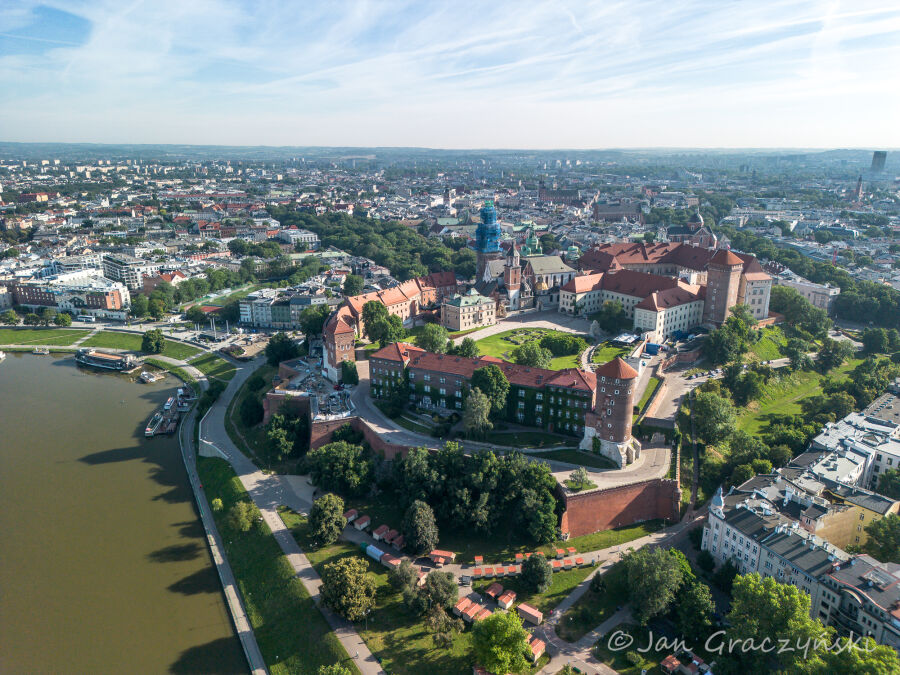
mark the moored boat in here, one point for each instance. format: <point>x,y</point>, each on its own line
<point>153,424</point>
<point>41,350</point>
<point>148,377</point>
<point>2,355</point>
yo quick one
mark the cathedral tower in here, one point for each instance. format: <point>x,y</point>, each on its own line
<point>487,238</point>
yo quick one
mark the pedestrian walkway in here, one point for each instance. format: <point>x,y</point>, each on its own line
<point>268,492</point>
<point>88,336</point>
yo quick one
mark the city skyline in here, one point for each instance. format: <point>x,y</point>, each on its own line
<point>555,75</point>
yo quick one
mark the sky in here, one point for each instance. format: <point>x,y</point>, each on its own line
<point>456,74</point>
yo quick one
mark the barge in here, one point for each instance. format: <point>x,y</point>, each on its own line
<point>97,359</point>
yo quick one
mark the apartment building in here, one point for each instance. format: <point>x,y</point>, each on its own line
<point>127,269</point>
<point>77,293</point>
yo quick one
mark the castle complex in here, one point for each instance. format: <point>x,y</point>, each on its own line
<point>668,287</point>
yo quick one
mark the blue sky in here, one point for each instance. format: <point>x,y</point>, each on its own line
<point>500,74</point>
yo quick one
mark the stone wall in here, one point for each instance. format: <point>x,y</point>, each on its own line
<point>321,433</point>
<point>597,510</point>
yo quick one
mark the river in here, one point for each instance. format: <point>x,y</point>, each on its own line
<point>104,566</point>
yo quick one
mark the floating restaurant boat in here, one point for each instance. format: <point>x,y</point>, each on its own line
<point>168,406</point>
<point>154,424</point>
<point>41,350</point>
<point>97,359</point>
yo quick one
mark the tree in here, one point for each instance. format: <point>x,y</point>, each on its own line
<point>153,342</point>
<point>312,319</point>
<point>32,319</point>
<point>493,383</point>
<point>433,338</point>
<point>386,330</point>
<point>883,543</point>
<point>195,315</point>
<point>533,355</point>
<point>403,576</point>
<point>796,352</point>
<point>714,417</point>
<point>217,504</point>
<point>336,668</point>
<point>442,627</point>
<point>326,519</point>
<point>10,318</point>
<point>439,590</point>
<point>353,285</point>
<point>371,312</point>
<point>477,414</point>
<point>252,411</point>
<point>420,531</point>
<point>889,483</point>
<point>63,319</point>
<point>139,305</point>
<point>280,444</point>
<point>580,477</point>
<point>499,642</point>
<point>466,348</point>
<point>833,353</point>
<point>341,467</point>
<point>47,316</point>
<point>763,608</point>
<point>348,588</point>
<point>611,316</point>
<point>281,347</point>
<point>705,561</point>
<point>238,247</point>
<point>875,340</point>
<point>537,574</point>
<point>725,576</point>
<point>242,515</point>
<point>653,576</point>
<point>863,657</point>
<point>694,608</point>
<point>741,474</point>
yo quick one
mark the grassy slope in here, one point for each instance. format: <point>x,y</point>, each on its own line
<point>607,352</point>
<point>255,437</point>
<point>588,612</point>
<point>212,365</point>
<point>285,619</point>
<point>528,439</point>
<point>132,341</point>
<point>768,346</point>
<point>40,336</point>
<point>652,385</point>
<point>783,396</point>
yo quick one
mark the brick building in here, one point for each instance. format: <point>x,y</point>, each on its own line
<point>556,400</point>
<point>607,428</point>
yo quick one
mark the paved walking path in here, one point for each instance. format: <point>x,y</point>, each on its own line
<point>89,335</point>
<point>269,491</point>
<point>238,612</point>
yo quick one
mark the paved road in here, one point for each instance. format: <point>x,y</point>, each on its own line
<point>269,491</point>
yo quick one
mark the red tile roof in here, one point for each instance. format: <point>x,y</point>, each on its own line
<point>617,368</point>
<point>723,257</point>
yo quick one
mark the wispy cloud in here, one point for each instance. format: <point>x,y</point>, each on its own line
<point>453,74</point>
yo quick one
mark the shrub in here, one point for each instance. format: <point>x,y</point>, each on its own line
<point>252,411</point>
<point>633,657</point>
<point>705,561</point>
<point>256,382</point>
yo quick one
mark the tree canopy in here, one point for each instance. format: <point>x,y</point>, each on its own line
<point>500,641</point>
<point>348,587</point>
<point>281,347</point>
<point>420,531</point>
<point>493,383</point>
<point>326,519</point>
<point>341,467</point>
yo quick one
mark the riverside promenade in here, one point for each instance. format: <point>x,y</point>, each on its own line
<point>229,585</point>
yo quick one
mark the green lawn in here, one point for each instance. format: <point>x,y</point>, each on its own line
<point>223,300</point>
<point>616,659</point>
<point>563,583</point>
<point>579,486</point>
<point>768,346</point>
<point>782,395</point>
<point>215,366</point>
<point>255,437</point>
<point>132,341</point>
<point>40,336</point>
<point>607,352</point>
<point>527,439</point>
<point>285,620</point>
<point>588,612</point>
<point>576,457</point>
<point>652,385</point>
<point>502,345</point>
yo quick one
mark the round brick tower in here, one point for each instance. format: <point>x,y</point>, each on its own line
<point>723,279</point>
<point>611,420</point>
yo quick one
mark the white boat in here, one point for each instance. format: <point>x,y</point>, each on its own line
<point>40,350</point>
<point>147,376</point>
<point>153,424</point>
<point>2,355</point>
<point>169,403</point>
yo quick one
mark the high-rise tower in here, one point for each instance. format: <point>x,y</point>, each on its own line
<point>487,237</point>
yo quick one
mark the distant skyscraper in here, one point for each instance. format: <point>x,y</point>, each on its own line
<point>878,158</point>
<point>487,237</point>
